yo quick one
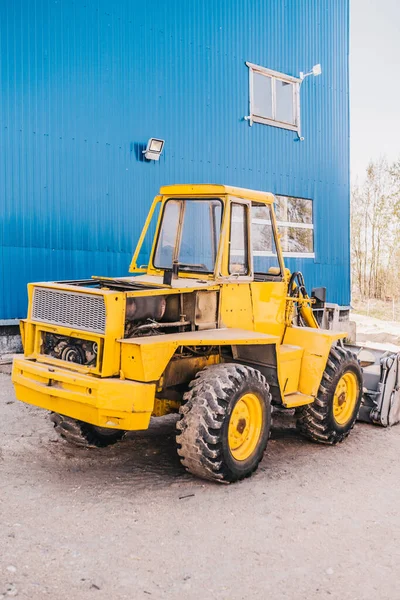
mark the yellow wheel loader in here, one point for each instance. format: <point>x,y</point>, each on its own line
<point>214,328</point>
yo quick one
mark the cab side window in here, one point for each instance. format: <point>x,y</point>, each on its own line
<point>238,244</point>
<point>265,257</point>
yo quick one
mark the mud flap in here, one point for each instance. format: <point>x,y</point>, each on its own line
<point>381,393</point>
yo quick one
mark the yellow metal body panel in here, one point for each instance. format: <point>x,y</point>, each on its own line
<point>268,306</point>
<point>216,190</point>
<point>217,337</point>
<point>289,365</point>
<point>236,306</point>
<point>146,358</point>
<point>145,362</point>
<point>106,402</point>
<point>295,400</point>
<point>115,320</point>
<point>316,344</point>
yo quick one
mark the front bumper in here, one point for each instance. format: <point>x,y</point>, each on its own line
<point>108,402</point>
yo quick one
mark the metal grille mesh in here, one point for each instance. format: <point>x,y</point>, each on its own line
<point>73,309</point>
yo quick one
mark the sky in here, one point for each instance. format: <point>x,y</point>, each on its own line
<point>374,82</point>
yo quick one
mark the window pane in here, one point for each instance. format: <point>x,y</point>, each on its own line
<point>262,95</point>
<point>200,235</point>
<point>143,257</point>
<point>167,237</point>
<point>199,239</point>
<point>294,239</point>
<point>238,262</point>
<point>284,101</point>
<point>261,230</point>
<point>294,210</point>
<point>264,250</point>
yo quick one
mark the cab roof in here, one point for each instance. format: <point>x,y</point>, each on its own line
<point>211,189</point>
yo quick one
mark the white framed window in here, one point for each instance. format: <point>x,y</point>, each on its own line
<point>295,218</point>
<point>295,224</point>
<point>274,98</point>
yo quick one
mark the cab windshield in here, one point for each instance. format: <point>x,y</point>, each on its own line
<point>189,234</point>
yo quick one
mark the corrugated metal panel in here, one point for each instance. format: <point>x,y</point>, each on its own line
<point>84,85</point>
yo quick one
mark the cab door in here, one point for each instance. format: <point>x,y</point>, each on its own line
<point>268,289</point>
<point>236,308</point>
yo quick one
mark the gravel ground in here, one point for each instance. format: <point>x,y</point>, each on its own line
<point>128,522</point>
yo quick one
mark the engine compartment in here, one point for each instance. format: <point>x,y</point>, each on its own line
<point>154,315</point>
<point>150,315</point>
<point>70,349</point>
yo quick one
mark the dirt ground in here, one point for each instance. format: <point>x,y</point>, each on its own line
<point>128,522</point>
<point>376,332</point>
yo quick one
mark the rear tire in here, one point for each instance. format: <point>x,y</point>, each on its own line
<point>225,423</point>
<point>331,417</point>
<point>83,434</point>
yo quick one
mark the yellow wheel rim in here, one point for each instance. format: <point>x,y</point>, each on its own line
<point>245,426</point>
<point>345,398</point>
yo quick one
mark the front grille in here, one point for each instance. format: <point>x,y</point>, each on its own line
<point>70,309</point>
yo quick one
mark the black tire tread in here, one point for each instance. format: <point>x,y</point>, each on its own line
<point>202,416</point>
<point>82,434</point>
<point>313,419</point>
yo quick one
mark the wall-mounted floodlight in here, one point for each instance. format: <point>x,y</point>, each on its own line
<point>154,149</point>
<point>316,70</point>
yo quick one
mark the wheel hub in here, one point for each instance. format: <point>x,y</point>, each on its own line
<point>345,398</point>
<point>241,426</point>
<point>245,426</point>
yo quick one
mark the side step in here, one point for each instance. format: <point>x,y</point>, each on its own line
<point>297,399</point>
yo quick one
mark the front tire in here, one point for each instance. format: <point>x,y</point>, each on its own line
<point>83,434</point>
<point>225,423</point>
<point>331,417</point>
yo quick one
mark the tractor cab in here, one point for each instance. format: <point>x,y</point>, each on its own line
<point>228,237</point>
<point>212,232</point>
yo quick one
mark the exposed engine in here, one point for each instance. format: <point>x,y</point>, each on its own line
<point>70,349</point>
<point>151,315</point>
<point>144,316</point>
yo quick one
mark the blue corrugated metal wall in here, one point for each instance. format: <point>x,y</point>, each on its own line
<point>84,84</point>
